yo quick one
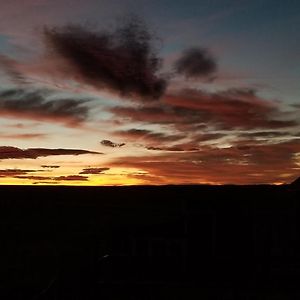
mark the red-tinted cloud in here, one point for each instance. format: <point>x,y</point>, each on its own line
<point>231,109</point>
<point>227,110</point>
<point>243,163</point>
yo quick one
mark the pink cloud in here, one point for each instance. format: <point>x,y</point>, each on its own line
<point>243,163</point>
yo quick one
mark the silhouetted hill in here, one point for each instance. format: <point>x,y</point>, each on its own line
<point>296,183</point>
<point>146,242</point>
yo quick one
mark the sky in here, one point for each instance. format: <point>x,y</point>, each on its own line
<point>98,92</point>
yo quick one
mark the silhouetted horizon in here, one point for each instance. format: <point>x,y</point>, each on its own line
<point>149,242</point>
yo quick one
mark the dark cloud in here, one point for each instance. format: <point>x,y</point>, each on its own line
<point>50,167</point>
<point>175,148</point>
<point>94,170</point>
<point>7,152</point>
<point>20,103</point>
<point>155,148</point>
<point>16,172</point>
<point>148,136</point>
<point>196,62</point>
<point>45,182</point>
<point>52,179</point>
<point>123,60</point>
<point>111,144</point>
<point>71,178</point>
<point>40,178</point>
<point>296,105</point>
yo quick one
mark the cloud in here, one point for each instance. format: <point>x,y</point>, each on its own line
<point>111,144</point>
<point>230,109</point>
<point>157,141</point>
<point>18,126</point>
<point>45,182</point>
<point>53,180</point>
<point>70,178</point>
<point>243,163</point>
<point>30,177</point>
<point>267,135</point>
<point>148,136</point>
<point>16,172</point>
<point>94,170</point>
<point>10,67</point>
<point>22,136</point>
<point>175,148</point>
<point>8,152</point>
<point>191,146</point>
<point>204,137</point>
<point>34,105</point>
<point>123,61</point>
<point>160,114</point>
<point>190,109</point>
<point>195,63</point>
<point>50,167</point>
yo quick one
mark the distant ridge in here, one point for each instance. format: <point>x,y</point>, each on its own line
<point>296,183</point>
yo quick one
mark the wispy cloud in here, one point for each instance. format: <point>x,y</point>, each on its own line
<point>23,136</point>
<point>50,166</point>
<point>227,110</point>
<point>37,105</point>
<point>245,162</point>
<point>71,178</point>
<point>108,143</point>
<point>16,172</point>
<point>8,152</point>
<point>148,136</point>
<point>94,170</point>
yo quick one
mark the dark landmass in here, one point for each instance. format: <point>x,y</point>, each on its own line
<point>296,183</point>
<point>167,242</point>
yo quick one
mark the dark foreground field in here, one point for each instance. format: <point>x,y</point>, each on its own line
<point>173,242</point>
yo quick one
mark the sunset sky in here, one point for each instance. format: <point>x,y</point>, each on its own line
<point>107,92</point>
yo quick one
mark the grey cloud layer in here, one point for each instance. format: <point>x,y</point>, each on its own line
<point>37,105</point>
